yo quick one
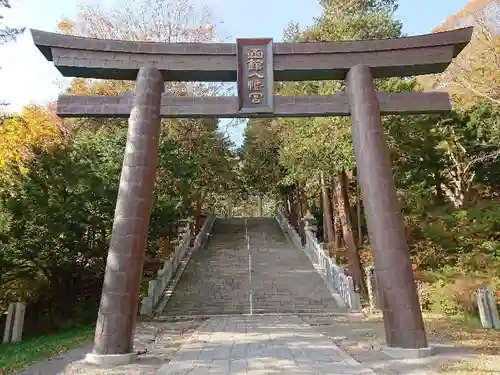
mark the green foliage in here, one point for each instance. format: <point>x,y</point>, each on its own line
<point>438,297</point>
<point>452,292</point>
<point>17,356</point>
<point>447,168</point>
<point>454,158</point>
<point>456,251</point>
<point>466,239</point>
<point>302,147</point>
<point>60,215</point>
<point>259,156</point>
<point>357,19</point>
<point>57,211</point>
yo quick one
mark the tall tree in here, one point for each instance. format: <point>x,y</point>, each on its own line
<point>34,127</point>
<point>473,76</point>
<point>260,157</point>
<point>311,146</point>
<point>171,21</point>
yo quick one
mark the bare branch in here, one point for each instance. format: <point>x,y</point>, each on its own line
<point>482,158</point>
<point>168,21</point>
<point>473,75</point>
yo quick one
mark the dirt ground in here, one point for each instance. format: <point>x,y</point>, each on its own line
<point>460,349</point>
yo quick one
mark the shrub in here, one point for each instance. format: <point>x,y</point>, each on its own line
<point>495,287</point>
<point>437,297</point>
<point>468,239</point>
<point>453,295</point>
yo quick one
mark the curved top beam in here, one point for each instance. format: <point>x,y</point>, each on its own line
<point>119,59</point>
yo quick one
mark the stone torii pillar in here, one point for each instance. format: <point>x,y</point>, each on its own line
<point>120,292</point>
<point>400,306</point>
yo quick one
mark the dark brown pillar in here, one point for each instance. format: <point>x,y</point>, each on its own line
<point>404,326</point>
<point>120,292</point>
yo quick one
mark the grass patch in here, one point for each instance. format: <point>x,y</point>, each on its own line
<point>17,356</point>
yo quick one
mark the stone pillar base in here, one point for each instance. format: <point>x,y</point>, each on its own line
<point>402,353</point>
<point>110,359</point>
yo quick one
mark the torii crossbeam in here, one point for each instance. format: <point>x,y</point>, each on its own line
<point>255,64</point>
<point>227,106</point>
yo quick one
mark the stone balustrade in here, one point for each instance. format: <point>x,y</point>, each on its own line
<point>173,265</point>
<point>488,310</point>
<point>333,275</point>
<point>14,322</point>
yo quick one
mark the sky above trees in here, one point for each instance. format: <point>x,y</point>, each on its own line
<point>28,78</point>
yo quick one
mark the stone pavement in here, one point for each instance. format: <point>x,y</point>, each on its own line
<point>268,345</point>
<point>258,345</point>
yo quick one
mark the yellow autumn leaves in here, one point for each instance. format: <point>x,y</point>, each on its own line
<point>20,133</point>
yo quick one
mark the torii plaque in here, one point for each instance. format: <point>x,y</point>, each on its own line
<point>356,62</point>
<point>255,76</point>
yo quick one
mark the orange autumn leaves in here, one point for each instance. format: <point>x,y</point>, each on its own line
<point>20,133</point>
<point>473,76</point>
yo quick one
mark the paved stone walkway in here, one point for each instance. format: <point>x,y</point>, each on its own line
<point>258,345</point>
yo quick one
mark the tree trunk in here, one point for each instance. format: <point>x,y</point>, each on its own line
<point>289,203</point>
<point>304,204</point>
<point>301,211</point>
<point>197,214</point>
<point>348,233</point>
<point>322,210</point>
<point>439,189</point>
<point>337,228</point>
<point>327,212</point>
<point>358,214</point>
<point>294,214</point>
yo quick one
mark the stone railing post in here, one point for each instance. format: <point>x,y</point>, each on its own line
<point>310,226</point>
<point>113,340</point>
<point>310,222</point>
<point>9,319</point>
<point>371,285</point>
<point>488,311</point>
<point>354,298</point>
<point>14,322</point>
<point>17,327</point>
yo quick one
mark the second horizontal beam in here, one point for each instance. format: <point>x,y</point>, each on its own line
<point>227,106</point>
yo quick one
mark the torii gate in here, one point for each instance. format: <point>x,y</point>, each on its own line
<point>255,64</point>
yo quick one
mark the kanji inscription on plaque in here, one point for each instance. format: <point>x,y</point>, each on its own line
<point>255,75</point>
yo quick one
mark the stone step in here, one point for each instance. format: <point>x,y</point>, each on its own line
<point>217,281</point>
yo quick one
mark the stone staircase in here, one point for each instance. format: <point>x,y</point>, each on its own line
<point>217,281</point>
